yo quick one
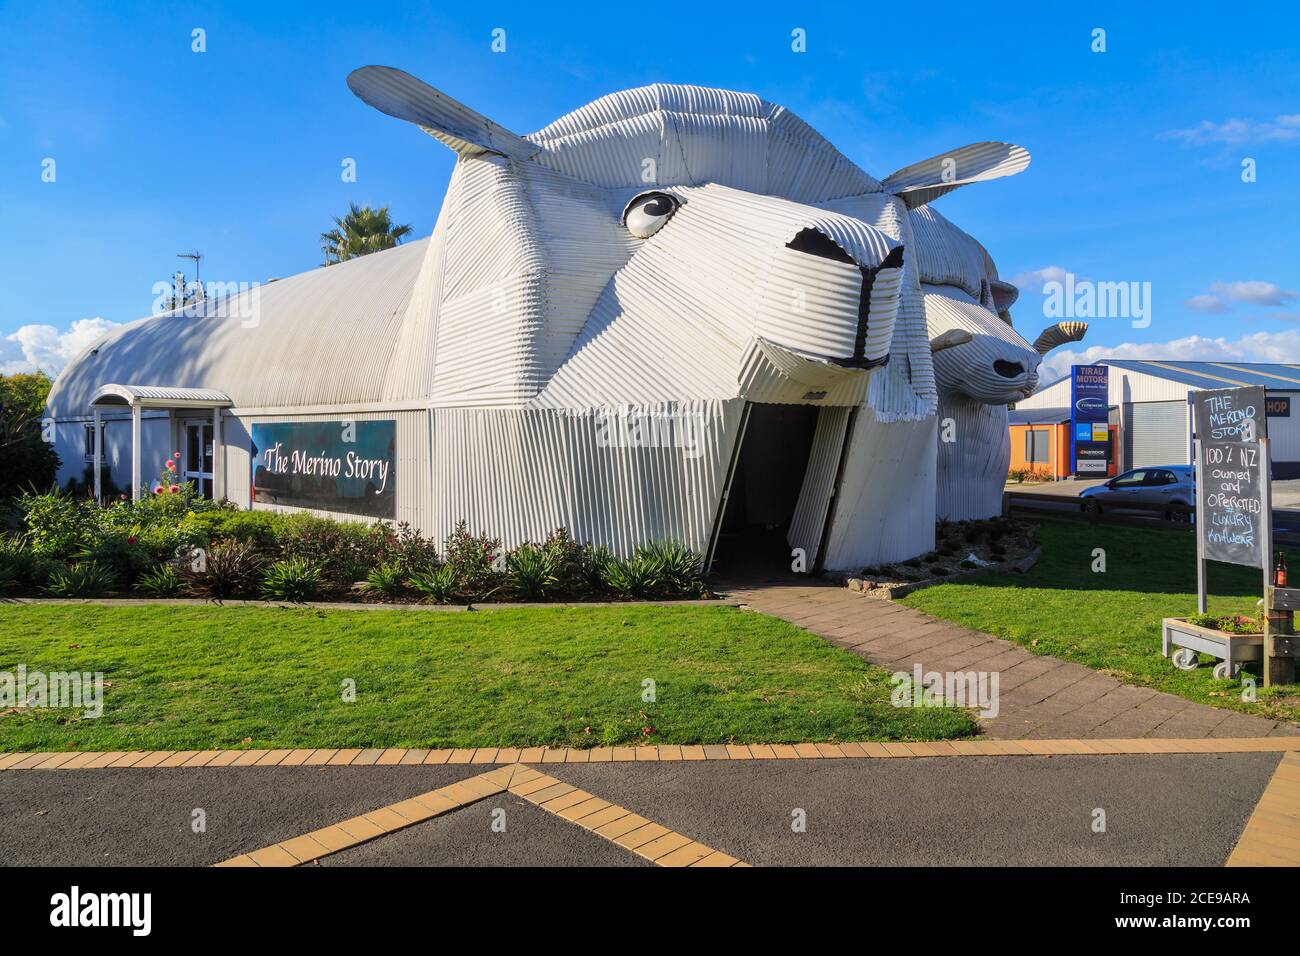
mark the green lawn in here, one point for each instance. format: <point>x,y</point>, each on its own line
<point>1111,620</point>
<point>190,678</point>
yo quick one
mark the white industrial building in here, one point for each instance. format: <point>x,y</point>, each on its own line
<point>676,312</point>
<point>1151,403</point>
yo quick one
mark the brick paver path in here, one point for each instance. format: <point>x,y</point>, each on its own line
<point>1040,697</point>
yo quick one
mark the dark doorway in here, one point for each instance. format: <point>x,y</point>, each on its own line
<point>764,492</point>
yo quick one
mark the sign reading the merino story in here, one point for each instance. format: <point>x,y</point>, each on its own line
<point>343,466</point>
<point>1090,419</point>
<point>1229,414</point>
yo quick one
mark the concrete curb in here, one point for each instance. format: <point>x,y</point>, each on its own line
<point>360,606</point>
<point>379,756</point>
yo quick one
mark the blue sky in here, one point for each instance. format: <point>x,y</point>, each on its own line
<point>236,151</point>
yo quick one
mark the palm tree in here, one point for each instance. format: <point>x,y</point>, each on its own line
<point>362,231</point>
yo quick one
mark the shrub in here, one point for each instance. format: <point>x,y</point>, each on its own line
<point>81,580</point>
<point>675,567</point>
<point>229,569</point>
<point>530,572</point>
<point>259,528</point>
<point>570,563</point>
<point>162,581</point>
<point>29,461</point>
<point>436,584</point>
<point>122,555</point>
<point>471,558</point>
<point>414,552</point>
<point>294,579</point>
<point>24,566</point>
<point>59,526</point>
<point>387,579</point>
<point>592,568</point>
<point>633,578</point>
<point>342,550</point>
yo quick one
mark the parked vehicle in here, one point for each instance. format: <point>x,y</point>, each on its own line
<point>1166,490</point>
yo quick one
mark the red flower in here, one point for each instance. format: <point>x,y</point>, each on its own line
<point>130,539</point>
<point>174,488</point>
<point>176,455</point>
<point>171,466</point>
<point>158,490</point>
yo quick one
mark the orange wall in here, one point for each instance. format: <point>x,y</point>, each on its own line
<point>1059,448</point>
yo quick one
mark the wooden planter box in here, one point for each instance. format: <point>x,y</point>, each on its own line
<point>1231,649</point>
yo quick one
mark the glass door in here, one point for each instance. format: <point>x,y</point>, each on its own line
<point>198,457</point>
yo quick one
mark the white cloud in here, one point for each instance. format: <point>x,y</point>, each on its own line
<point>1254,292</point>
<point>1206,303</point>
<point>1033,281</point>
<point>45,348</point>
<point>1278,347</point>
<point>1239,131</point>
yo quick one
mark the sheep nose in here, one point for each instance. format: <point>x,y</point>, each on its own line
<point>1008,369</point>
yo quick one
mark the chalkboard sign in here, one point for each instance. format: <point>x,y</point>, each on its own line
<point>1233,525</point>
<point>1229,414</point>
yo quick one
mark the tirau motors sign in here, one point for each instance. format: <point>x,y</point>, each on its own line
<point>343,466</point>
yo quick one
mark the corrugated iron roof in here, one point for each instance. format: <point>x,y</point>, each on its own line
<point>1038,416</point>
<point>158,396</point>
<point>1209,375</point>
<point>321,337</point>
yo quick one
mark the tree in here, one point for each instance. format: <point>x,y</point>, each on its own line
<point>362,231</point>
<point>28,460</point>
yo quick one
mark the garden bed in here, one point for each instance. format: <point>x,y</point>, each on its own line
<point>173,544</point>
<point>963,549</point>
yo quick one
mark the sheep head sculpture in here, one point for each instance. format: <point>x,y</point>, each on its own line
<point>981,365</point>
<point>699,242</point>
<point>675,243</point>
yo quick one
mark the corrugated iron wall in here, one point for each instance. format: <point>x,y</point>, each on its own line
<point>589,471</point>
<point>819,482</point>
<point>879,517</point>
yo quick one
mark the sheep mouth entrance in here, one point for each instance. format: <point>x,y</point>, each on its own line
<point>764,493</point>
<point>1008,369</point>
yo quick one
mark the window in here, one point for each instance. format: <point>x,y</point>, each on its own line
<point>1038,446</point>
<point>1130,479</point>
<point>90,443</point>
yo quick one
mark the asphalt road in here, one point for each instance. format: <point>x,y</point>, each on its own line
<point>975,811</point>
<point>532,837</point>
<point>143,817</point>
<point>978,811</point>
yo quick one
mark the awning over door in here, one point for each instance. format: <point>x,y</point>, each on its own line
<point>170,397</point>
<point>159,396</point>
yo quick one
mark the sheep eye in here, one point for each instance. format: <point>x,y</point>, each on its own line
<point>647,213</point>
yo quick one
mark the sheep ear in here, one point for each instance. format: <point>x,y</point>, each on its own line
<point>454,124</point>
<point>929,179</point>
<point>1059,334</point>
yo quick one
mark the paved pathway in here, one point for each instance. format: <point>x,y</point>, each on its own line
<point>1040,697</point>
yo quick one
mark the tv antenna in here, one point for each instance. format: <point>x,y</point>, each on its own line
<point>196,256</point>
<point>198,295</point>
